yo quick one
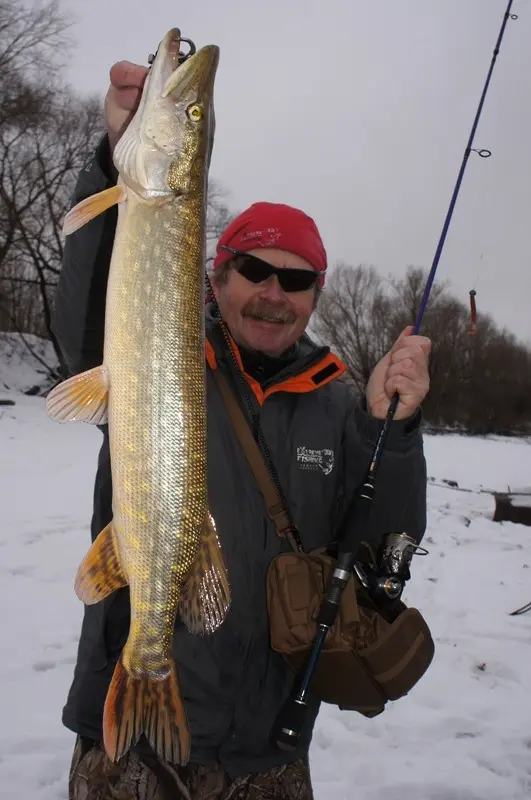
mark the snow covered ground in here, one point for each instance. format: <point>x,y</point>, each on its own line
<point>464,733</point>
<point>25,362</point>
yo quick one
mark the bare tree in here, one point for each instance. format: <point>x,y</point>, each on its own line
<point>47,134</point>
<point>38,169</point>
<point>219,215</point>
<point>407,294</point>
<point>353,317</point>
<point>33,44</point>
<point>445,322</point>
<point>479,383</point>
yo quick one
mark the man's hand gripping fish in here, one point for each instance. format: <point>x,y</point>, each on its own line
<point>150,389</point>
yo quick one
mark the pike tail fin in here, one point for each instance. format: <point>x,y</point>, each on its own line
<point>143,706</point>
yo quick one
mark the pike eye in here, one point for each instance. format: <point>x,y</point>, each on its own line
<point>195,113</point>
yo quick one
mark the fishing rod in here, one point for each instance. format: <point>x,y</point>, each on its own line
<point>397,553</point>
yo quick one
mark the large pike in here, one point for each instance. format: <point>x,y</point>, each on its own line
<point>150,389</point>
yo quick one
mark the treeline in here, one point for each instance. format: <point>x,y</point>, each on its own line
<point>47,135</point>
<point>479,383</point>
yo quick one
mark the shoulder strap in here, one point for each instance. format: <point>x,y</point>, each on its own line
<point>276,507</point>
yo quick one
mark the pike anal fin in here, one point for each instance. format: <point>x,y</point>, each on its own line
<point>81,398</point>
<point>205,596</point>
<point>92,207</point>
<point>100,573</point>
<point>144,706</point>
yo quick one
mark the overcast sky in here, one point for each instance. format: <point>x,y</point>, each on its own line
<point>358,112</point>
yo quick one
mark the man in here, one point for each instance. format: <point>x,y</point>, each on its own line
<point>320,441</point>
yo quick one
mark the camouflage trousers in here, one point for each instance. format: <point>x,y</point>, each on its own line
<point>139,777</point>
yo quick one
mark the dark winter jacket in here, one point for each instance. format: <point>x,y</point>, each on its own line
<point>320,439</point>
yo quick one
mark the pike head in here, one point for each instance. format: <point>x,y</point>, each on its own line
<point>170,138</point>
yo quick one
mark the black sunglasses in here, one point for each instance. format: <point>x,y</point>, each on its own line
<point>256,270</point>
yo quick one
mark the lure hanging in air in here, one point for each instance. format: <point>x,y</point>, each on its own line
<point>473,313</point>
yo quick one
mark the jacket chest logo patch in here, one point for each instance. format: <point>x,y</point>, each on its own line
<point>315,460</point>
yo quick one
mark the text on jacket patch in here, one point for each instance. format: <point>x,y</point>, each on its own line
<point>315,459</point>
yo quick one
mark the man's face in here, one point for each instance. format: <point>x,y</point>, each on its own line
<point>261,316</point>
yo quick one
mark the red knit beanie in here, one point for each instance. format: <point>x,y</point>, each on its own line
<point>274,225</point>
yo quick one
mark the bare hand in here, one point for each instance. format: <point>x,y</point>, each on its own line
<point>123,97</point>
<point>404,369</point>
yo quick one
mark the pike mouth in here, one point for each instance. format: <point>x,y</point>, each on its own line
<point>174,45</point>
<point>197,72</point>
<point>165,62</point>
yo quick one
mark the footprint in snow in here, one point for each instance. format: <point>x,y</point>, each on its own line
<point>63,525</point>
<point>34,745</point>
<point>322,740</point>
<point>508,548</point>
<point>55,776</point>
<point>496,770</point>
<point>20,571</point>
<point>520,761</point>
<point>46,666</point>
<point>33,538</point>
<point>402,790</point>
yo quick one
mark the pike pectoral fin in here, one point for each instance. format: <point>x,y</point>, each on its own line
<point>205,596</point>
<point>100,573</point>
<point>92,207</point>
<point>82,398</point>
<point>143,706</point>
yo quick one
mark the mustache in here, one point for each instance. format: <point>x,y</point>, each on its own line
<point>266,311</point>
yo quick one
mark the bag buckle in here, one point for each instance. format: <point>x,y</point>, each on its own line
<point>285,527</point>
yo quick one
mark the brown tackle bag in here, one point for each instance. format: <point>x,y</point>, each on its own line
<point>372,654</point>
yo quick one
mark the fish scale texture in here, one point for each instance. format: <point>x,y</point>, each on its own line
<point>155,359</point>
